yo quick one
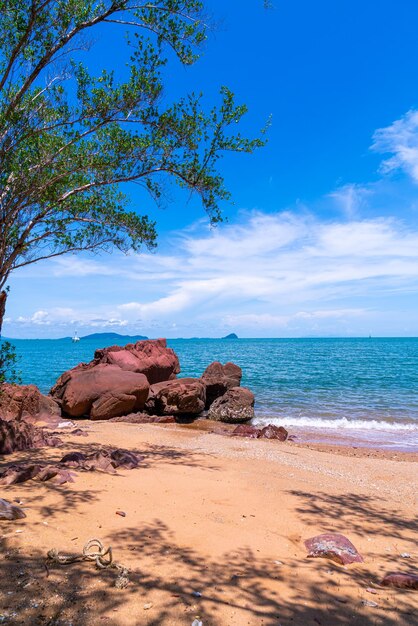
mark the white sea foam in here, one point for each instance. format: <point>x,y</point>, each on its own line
<point>338,423</point>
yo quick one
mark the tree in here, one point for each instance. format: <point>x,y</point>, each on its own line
<point>69,138</point>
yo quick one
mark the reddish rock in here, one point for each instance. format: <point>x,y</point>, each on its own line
<point>335,547</point>
<point>15,474</point>
<point>17,435</point>
<point>57,474</point>
<point>273,432</point>
<point>125,458</point>
<point>103,460</point>
<point>184,396</point>
<point>73,459</point>
<point>219,378</point>
<point>20,473</point>
<point>400,580</point>
<point>151,358</point>
<point>245,430</point>
<point>235,406</point>
<point>9,511</point>
<point>144,418</point>
<point>112,404</point>
<point>27,403</point>
<point>92,391</point>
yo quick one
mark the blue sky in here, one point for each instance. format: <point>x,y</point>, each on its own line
<point>322,238</point>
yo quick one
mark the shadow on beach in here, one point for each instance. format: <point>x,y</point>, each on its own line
<point>166,581</point>
<point>362,514</point>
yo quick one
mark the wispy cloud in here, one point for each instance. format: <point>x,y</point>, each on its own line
<point>401,140</point>
<point>350,198</point>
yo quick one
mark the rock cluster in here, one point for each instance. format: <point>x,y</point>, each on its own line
<point>268,432</point>
<point>141,379</point>
<point>107,461</point>
<point>137,383</point>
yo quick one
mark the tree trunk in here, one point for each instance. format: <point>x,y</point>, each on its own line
<point>3,298</point>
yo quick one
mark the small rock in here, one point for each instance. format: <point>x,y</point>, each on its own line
<point>148,606</point>
<point>369,603</point>
<point>9,511</point>
<point>400,580</point>
<point>273,432</point>
<point>196,594</point>
<point>405,555</point>
<point>371,590</point>
<point>333,546</point>
<point>121,513</point>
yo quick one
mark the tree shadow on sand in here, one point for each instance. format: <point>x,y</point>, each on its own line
<point>176,583</point>
<point>151,454</point>
<point>360,513</point>
<point>68,496</point>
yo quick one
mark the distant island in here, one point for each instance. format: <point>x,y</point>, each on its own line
<point>231,336</point>
<point>114,337</point>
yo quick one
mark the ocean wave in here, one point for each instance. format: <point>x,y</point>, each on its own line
<point>338,423</point>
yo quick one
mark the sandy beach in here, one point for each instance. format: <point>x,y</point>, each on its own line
<point>214,528</point>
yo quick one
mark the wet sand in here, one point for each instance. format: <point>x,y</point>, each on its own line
<point>217,516</point>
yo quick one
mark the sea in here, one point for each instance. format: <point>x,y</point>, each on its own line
<point>361,392</point>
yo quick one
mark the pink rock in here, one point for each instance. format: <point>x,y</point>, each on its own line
<point>273,432</point>
<point>27,403</point>
<point>183,396</point>
<point>9,511</point>
<point>400,580</point>
<point>333,546</point>
<point>151,358</point>
<point>112,404</point>
<point>18,435</point>
<point>80,388</point>
<point>15,474</point>
<point>235,406</point>
<point>245,430</point>
<point>219,378</point>
<point>104,460</point>
<point>73,459</point>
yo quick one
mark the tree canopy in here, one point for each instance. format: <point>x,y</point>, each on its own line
<point>69,137</point>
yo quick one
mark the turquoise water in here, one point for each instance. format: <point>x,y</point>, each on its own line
<point>363,389</point>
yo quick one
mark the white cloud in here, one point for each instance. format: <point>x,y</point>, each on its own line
<point>401,140</point>
<point>272,273</point>
<point>350,198</point>
<point>308,262</point>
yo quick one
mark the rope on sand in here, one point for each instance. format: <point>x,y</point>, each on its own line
<point>103,559</point>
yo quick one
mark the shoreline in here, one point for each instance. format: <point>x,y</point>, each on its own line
<point>320,439</point>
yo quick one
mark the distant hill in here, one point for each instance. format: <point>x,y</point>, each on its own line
<point>114,337</point>
<point>231,336</point>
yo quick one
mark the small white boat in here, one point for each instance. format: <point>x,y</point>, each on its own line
<point>75,338</point>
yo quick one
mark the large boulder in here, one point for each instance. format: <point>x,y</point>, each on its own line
<point>219,378</point>
<point>235,406</point>
<point>101,392</point>
<point>27,403</point>
<point>183,396</point>
<point>151,358</point>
